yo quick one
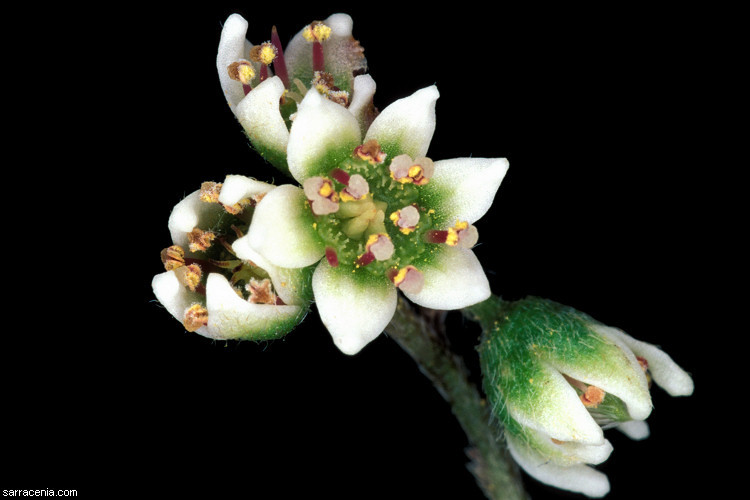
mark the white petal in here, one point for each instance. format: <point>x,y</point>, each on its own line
<point>464,188</point>
<point>616,371</point>
<point>232,317</point>
<point>282,229</point>
<point>354,308</point>
<point>566,453</point>
<point>323,134</point>
<point>342,55</point>
<point>406,126</point>
<point>362,95</point>
<point>288,283</point>
<point>577,478</point>
<point>190,213</point>
<point>635,429</point>
<point>232,46</point>
<point>237,187</point>
<point>555,409</point>
<point>261,118</point>
<point>173,295</point>
<point>452,280</point>
<point>664,371</point>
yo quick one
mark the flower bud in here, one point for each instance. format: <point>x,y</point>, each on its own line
<point>556,378</point>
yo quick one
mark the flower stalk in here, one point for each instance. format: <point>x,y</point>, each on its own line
<point>420,332</point>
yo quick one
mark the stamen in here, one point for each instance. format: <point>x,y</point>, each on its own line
<point>317,32</point>
<point>173,257</point>
<point>332,257</point>
<point>279,64</point>
<point>380,245</point>
<point>242,71</point>
<point>405,170</point>
<point>406,219</point>
<point>324,84</point>
<point>195,317</point>
<point>592,396</point>
<point>356,189</point>
<point>200,240</point>
<point>408,279</point>
<point>209,192</point>
<point>265,53</point>
<point>238,207</point>
<point>322,195</point>
<point>260,292</point>
<point>644,366</point>
<point>461,234</point>
<point>371,152</point>
<point>192,276</point>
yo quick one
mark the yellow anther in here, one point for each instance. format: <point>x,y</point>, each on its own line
<point>592,396</point>
<point>370,151</point>
<point>394,217</point>
<point>241,71</point>
<point>246,74</point>
<point>267,53</point>
<point>192,276</point>
<point>209,192</point>
<point>173,257</point>
<point>196,316</point>
<point>326,190</point>
<point>461,225</point>
<point>316,32</point>
<point>452,238</point>
<point>200,240</point>
<point>400,275</point>
<point>261,292</point>
<point>415,171</point>
<point>373,238</point>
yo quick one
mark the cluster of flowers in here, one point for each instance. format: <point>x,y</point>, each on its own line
<point>370,216</point>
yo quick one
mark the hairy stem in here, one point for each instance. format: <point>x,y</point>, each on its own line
<point>420,332</point>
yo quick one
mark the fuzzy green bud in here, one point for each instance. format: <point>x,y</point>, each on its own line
<point>555,378</point>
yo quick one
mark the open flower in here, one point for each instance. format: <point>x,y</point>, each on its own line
<point>323,56</point>
<point>211,290</point>
<point>370,229</point>
<point>556,378</point>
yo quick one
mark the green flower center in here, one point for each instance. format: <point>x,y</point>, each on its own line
<point>347,231</point>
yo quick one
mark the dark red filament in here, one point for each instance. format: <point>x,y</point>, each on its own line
<point>436,236</point>
<point>340,176</point>
<point>366,258</point>
<point>317,57</point>
<point>279,64</point>
<point>331,257</point>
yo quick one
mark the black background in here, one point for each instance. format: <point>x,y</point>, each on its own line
<point>603,209</point>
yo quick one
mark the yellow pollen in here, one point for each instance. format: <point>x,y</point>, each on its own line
<point>415,171</point>
<point>267,53</point>
<point>173,257</point>
<point>316,32</point>
<point>195,317</point>
<point>209,192</point>
<point>395,217</point>
<point>461,225</point>
<point>193,276</point>
<point>373,238</point>
<point>246,73</point>
<point>452,238</point>
<point>400,275</point>
<point>200,240</point>
<point>325,190</point>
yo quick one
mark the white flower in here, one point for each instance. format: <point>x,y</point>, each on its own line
<point>556,378</point>
<point>377,230</point>
<point>211,290</point>
<point>323,55</point>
